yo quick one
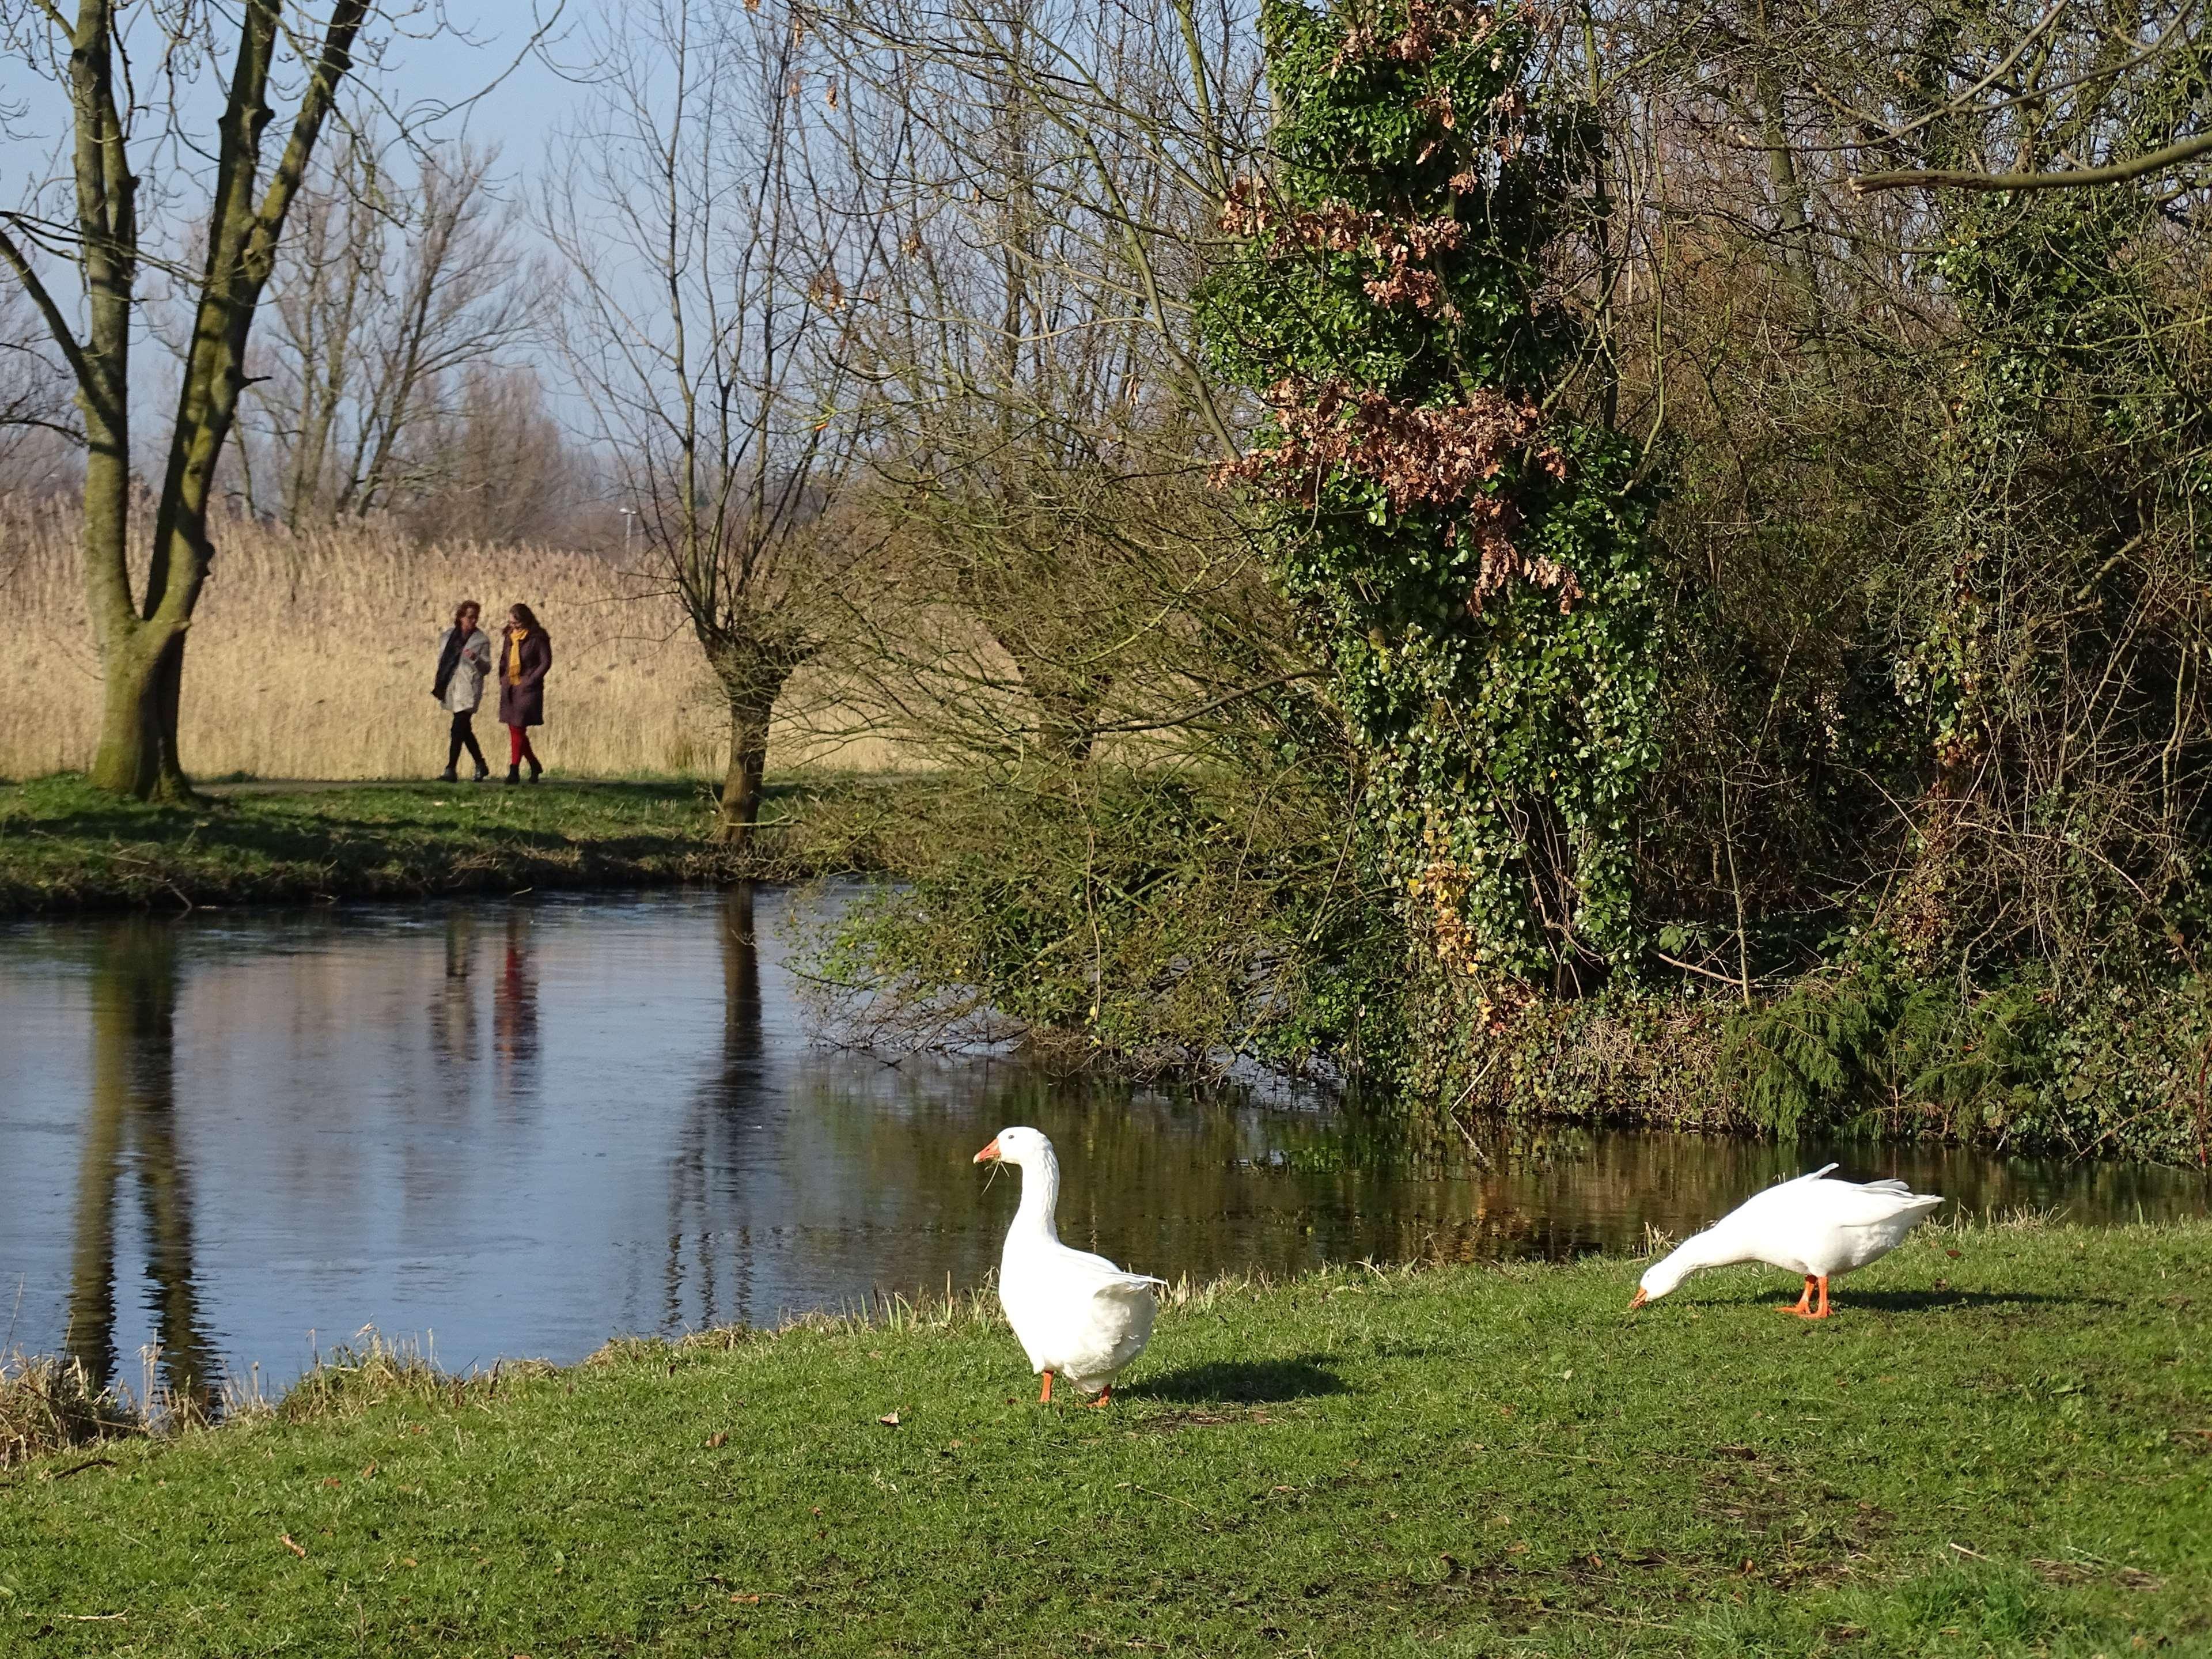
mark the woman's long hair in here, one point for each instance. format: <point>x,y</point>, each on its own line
<point>463,608</point>
<point>528,618</point>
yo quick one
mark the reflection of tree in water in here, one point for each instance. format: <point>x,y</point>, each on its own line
<point>454,1003</point>
<point>722,1106</point>
<point>131,1118</point>
<point>515,1013</point>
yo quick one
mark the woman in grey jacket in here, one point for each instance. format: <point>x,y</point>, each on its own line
<point>464,659</point>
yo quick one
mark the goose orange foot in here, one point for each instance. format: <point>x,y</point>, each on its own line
<point>1044,1398</point>
<point>1804,1307</point>
<point>1105,1395</point>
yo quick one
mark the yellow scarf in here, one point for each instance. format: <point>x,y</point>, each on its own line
<point>514,638</point>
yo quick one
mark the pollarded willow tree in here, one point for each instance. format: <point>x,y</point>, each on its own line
<point>717,247</point>
<point>1470,554</point>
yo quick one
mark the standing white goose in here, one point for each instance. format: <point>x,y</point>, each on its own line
<point>1078,1315</point>
<point>1810,1225</point>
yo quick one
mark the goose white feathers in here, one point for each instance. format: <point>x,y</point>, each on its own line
<point>1078,1315</point>
<point>1812,1226</point>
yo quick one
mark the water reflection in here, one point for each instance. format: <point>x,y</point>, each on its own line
<point>515,1014</point>
<point>708,1274</point>
<point>452,1006</point>
<point>130,1137</point>
<point>519,1129</point>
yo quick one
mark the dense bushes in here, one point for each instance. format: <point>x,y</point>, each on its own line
<point>1181,924</point>
<point>1759,629</point>
<point>1855,1052</point>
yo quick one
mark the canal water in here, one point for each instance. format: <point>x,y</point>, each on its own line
<point>502,1129</point>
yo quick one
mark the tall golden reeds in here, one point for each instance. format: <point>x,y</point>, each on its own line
<point>311,657</point>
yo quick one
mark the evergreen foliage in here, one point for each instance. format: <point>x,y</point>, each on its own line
<point>1470,556</point>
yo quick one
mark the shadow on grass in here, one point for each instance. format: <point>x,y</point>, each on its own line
<point>1919,1301</point>
<point>1243,1382</point>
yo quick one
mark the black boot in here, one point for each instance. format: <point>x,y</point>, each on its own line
<point>514,775</point>
<point>482,771</point>
<point>448,777</point>
<point>536,771</point>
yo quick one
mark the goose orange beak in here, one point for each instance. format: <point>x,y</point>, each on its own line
<point>1640,1300</point>
<point>989,1154</point>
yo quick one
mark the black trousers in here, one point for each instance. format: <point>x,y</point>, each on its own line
<point>463,737</point>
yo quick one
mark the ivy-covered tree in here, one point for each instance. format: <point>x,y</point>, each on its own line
<point>1470,554</point>
<point>2050,640</point>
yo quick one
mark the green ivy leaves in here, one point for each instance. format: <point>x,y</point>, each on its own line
<point>1507,724</point>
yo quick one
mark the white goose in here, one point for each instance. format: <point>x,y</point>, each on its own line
<point>1078,1315</point>
<point>1810,1225</point>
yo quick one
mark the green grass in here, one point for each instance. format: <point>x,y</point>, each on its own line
<point>64,846</point>
<point>2002,1445</point>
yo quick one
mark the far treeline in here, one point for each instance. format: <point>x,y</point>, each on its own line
<point>1632,561</point>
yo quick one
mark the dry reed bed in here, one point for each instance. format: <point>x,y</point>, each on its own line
<point>312,655</point>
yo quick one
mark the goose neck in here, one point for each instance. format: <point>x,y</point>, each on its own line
<point>1039,1198</point>
<point>1716,1247</point>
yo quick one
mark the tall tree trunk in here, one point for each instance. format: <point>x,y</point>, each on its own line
<point>139,700</point>
<point>1792,208</point>
<point>741,784</point>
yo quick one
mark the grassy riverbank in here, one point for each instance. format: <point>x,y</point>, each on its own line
<point>2002,1445</point>
<point>65,846</point>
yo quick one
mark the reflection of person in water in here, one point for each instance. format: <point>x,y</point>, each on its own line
<point>131,1117</point>
<point>514,1011</point>
<point>454,1003</point>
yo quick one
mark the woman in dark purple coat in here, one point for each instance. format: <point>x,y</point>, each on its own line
<point>525,653</point>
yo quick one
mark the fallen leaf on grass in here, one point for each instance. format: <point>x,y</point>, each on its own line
<point>717,1440</point>
<point>286,1540</point>
<point>749,1601</point>
<point>890,1421</point>
<point>332,1481</point>
<point>368,1471</point>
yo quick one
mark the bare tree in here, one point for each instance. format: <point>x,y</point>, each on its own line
<point>714,245</point>
<point>505,470</point>
<point>386,293</point>
<point>1057,175</point>
<point>98,240</point>
<point>39,436</point>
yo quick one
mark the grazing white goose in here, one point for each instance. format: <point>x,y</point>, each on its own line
<point>1078,1315</point>
<point>1810,1225</point>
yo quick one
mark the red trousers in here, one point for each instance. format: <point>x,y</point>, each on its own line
<point>519,749</point>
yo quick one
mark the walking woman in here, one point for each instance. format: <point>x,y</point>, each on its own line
<point>464,659</point>
<point>522,661</point>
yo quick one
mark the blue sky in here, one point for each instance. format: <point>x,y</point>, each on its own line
<point>520,111</point>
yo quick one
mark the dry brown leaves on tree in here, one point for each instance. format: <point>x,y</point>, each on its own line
<point>1339,229</point>
<point>1422,458</point>
<point>1427,28</point>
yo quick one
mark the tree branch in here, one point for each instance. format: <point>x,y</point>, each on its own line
<point>49,312</point>
<point>2115,172</point>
